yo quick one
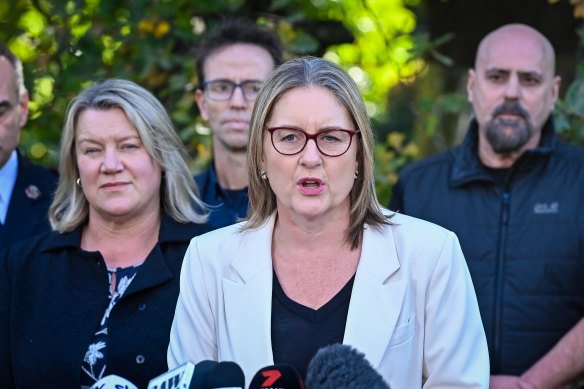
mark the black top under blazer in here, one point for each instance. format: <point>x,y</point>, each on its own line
<point>53,296</point>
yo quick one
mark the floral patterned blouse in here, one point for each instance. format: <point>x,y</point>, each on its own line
<point>95,362</point>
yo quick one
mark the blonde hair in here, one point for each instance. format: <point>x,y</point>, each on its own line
<point>179,193</point>
<point>314,72</point>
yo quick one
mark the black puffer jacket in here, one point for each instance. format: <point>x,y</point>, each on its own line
<point>523,240</point>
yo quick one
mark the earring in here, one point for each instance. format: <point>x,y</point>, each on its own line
<point>356,174</point>
<point>263,175</point>
<point>78,182</point>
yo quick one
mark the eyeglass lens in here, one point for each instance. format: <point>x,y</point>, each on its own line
<point>222,90</point>
<point>330,142</point>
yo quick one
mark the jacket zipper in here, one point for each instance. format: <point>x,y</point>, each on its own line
<point>496,363</point>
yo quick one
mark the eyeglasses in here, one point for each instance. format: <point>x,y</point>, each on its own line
<point>289,141</point>
<point>222,90</point>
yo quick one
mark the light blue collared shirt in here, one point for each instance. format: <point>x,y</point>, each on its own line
<point>8,175</point>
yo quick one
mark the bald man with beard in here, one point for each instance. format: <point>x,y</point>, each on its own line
<point>514,195</point>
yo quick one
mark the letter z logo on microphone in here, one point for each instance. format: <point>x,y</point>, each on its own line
<point>271,377</point>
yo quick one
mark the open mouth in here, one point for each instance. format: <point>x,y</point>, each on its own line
<point>311,184</point>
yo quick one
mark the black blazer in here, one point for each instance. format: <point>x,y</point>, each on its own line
<point>29,204</point>
<point>53,295</point>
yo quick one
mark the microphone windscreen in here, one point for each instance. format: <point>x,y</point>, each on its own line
<point>277,376</point>
<point>113,381</point>
<point>340,366</point>
<point>226,375</point>
<point>201,374</point>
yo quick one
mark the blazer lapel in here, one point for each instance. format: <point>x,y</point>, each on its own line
<point>377,296</point>
<point>23,214</point>
<point>27,211</point>
<point>248,300</point>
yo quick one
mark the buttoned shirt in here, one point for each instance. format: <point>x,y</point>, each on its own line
<point>8,174</point>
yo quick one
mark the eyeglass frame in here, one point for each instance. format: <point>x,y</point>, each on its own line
<point>313,137</point>
<point>234,85</point>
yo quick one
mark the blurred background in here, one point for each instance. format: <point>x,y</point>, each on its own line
<point>409,57</point>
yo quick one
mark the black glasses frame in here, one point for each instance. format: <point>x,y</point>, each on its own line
<point>234,85</point>
<point>313,137</point>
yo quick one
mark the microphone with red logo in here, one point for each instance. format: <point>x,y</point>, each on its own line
<point>277,377</point>
<point>226,375</point>
<point>339,366</point>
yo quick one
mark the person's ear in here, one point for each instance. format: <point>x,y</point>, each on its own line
<point>23,108</point>
<point>556,89</point>
<point>470,84</point>
<point>202,104</point>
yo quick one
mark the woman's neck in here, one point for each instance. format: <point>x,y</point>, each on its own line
<point>302,236</point>
<point>313,260</point>
<point>122,243</point>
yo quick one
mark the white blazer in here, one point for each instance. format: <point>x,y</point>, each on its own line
<point>413,310</point>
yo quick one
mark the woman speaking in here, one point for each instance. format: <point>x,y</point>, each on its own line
<point>318,261</point>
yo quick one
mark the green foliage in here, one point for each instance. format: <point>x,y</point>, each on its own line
<point>569,112</point>
<point>390,157</point>
<point>67,44</point>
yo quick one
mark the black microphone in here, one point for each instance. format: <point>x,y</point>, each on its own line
<point>339,366</point>
<point>277,377</point>
<point>226,375</point>
<point>201,376</point>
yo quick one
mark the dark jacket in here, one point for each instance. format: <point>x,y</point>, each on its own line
<point>226,206</point>
<point>53,296</point>
<point>523,240</point>
<point>29,204</point>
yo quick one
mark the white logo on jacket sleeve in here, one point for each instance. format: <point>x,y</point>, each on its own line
<point>545,208</point>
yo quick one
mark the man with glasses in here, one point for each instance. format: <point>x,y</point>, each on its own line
<point>25,189</point>
<point>232,62</point>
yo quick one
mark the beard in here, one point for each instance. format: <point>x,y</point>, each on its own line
<point>509,135</point>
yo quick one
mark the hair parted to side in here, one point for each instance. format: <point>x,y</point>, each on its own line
<point>179,193</point>
<point>20,89</point>
<point>309,72</point>
<point>233,30</point>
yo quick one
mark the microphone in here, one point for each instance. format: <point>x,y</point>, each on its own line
<point>339,366</point>
<point>278,376</point>
<point>201,376</point>
<point>226,375</point>
<point>113,381</point>
<point>179,377</point>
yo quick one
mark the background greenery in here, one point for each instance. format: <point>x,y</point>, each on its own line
<point>408,69</point>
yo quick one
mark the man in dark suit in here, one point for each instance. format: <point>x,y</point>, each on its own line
<point>25,188</point>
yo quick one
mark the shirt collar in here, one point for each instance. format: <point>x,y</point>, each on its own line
<point>170,231</point>
<point>8,174</point>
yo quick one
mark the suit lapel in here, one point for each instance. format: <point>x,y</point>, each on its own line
<point>375,305</point>
<point>377,296</point>
<point>248,300</point>
<point>23,213</point>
